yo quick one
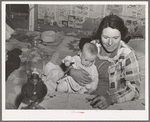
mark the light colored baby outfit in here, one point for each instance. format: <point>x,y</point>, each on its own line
<point>69,85</point>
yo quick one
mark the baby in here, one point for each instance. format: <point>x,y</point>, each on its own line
<point>85,60</point>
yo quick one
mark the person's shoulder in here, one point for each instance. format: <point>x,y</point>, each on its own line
<point>126,50</point>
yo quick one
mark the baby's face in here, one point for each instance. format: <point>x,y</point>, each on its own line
<point>87,59</point>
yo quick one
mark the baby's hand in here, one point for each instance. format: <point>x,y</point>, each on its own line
<point>67,63</point>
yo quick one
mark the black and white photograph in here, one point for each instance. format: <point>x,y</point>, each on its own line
<point>56,70</point>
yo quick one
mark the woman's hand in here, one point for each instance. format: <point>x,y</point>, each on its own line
<point>80,76</point>
<point>103,102</point>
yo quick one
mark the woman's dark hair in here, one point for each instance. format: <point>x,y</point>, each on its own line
<point>83,41</point>
<point>114,22</point>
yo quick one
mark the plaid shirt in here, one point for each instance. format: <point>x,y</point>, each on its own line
<point>124,74</point>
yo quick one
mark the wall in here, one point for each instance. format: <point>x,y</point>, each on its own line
<point>83,16</point>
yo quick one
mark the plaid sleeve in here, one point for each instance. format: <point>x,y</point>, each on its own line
<point>132,79</point>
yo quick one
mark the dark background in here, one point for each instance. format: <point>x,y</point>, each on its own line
<point>18,8</point>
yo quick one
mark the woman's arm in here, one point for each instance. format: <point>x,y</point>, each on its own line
<point>80,76</point>
<point>132,80</point>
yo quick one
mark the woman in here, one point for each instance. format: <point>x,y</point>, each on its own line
<point>117,65</point>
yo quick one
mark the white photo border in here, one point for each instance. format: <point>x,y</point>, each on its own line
<point>42,115</point>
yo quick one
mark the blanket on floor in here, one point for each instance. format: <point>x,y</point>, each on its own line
<point>67,46</point>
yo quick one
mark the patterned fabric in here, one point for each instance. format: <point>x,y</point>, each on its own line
<point>124,74</point>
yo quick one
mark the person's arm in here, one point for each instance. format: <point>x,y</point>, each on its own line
<point>132,80</point>
<point>80,76</point>
<point>132,91</point>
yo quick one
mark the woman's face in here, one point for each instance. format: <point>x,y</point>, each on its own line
<point>110,39</point>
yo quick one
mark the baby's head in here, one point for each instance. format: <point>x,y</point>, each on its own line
<point>88,54</point>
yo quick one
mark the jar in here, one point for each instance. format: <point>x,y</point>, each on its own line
<point>35,60</point>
